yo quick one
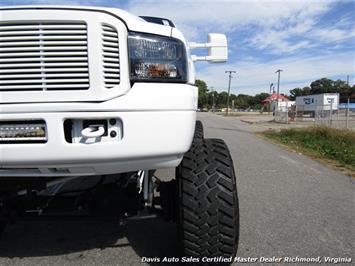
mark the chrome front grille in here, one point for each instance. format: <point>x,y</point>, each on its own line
<point>44,55</point>
<point>111,56</point>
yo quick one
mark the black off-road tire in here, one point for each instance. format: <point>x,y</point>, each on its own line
<point>208,213</point>
<point>198,131</point>
<point>3,225</point>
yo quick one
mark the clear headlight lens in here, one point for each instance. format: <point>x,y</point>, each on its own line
<point>156,58</point>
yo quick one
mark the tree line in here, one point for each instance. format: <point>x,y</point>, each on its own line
<point>326,85</point>
<point>207,98</point>
<point>242,101</point>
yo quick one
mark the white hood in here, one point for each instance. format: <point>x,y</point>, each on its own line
<point>132,22</point>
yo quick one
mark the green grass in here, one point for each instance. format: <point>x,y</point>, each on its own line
<point>337,145</point>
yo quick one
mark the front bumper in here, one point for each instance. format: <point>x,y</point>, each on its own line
<point>157,119</point>
<point>151,140</point>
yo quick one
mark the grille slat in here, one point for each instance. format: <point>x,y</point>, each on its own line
<point>42,87</point>
<point>36,54</point>
<point>42,26</point>
<point>110,39</point>
<point>44,59</point>
<point>45,55</point>
<point>108,28</point>
<point>48,70</point>
<point>48,81</point>
<point>55,43</point>
<point>41,38</point>
<point>42,64</point>
<point>46,48</point>
<point>111,66</point>
<point>111,56</point>
<point>44,32</point>
<point>109,34</point>
<point>56,75</point>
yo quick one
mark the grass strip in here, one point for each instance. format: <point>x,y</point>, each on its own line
<point>337,145</point>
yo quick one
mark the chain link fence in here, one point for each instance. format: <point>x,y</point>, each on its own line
<point>325,115</point>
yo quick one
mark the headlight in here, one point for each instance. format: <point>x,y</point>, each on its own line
<point>156,58</point>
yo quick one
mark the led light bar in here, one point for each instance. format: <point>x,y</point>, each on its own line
<point>23,131</point>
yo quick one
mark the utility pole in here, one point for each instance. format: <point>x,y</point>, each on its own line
<point>229,86</point>
<point>269,105</point>
<point>278,83</point>
<point>278,88</point>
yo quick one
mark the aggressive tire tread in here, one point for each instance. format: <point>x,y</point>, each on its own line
<point>208,211</point>
<point>198,135</point>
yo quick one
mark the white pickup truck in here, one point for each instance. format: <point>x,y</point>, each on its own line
<point>100,93</point>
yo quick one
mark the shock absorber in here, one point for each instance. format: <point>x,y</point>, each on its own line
<point>148,189</point>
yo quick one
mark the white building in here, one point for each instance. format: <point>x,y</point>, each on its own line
<point>318,102</point>
<point>281,106</point>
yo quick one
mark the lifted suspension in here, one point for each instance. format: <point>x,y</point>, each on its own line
<point>128,196</point>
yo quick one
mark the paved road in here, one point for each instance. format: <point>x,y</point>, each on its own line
<point>289,206</point>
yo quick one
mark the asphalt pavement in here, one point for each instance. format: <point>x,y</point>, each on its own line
<point>290,206</point>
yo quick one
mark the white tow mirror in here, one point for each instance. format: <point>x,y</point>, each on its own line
<point>217,49</point>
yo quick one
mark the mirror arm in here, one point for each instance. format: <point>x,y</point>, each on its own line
<point>207,58</point>
<point>194,45</point>
<point>198,58</point>
<point>217,49</point>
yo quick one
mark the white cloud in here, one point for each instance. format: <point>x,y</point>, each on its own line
<point>333,34</point>
<point>276,27</point>
<point>253,77</point>
<point>277,42</point>
<point>225,16</point>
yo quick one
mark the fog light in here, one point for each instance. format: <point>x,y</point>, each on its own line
<point>22,131</point>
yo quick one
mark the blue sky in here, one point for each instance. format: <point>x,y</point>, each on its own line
<point>307,39</point>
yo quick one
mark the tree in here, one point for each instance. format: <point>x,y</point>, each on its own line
<point>299,92</point>
<point>295,92</point>
<point>258,98</point>
<point>202,93</point>
<point>243,101</point>
<point>306,91</point>
<point>339,85</point>
<point>344,90</point>
<point>232,100</point>
<point>326,85</point>
<point>222,99</point>
<point>323,85</point>
<point>212,98</point>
